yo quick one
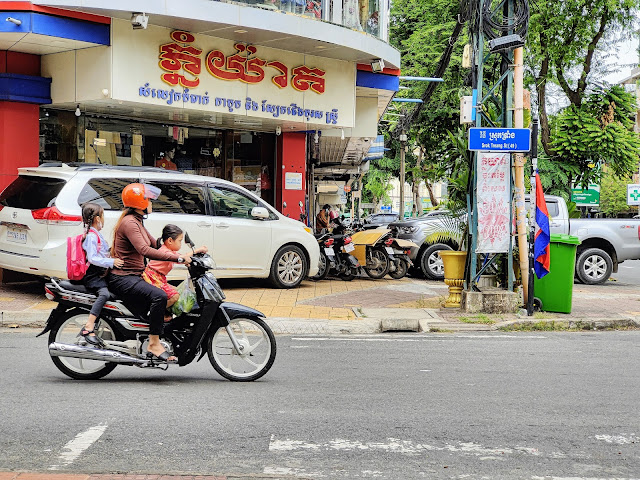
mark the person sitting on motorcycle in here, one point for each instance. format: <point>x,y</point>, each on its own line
<point>322,219</point>
<point>157,270</point>
<point>132,242</point>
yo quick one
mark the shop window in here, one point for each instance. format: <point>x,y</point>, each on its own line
<point>231,203</point>
<point>179,198</point>
<point>106,192</point>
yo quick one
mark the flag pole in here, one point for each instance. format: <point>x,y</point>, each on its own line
<point>532,213</point>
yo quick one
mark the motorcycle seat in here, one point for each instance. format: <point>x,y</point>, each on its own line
<point>77,287</point>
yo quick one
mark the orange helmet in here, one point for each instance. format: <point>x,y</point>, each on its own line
<point>137,195</point>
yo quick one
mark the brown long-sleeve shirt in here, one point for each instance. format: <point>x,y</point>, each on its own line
<point>132,243</point>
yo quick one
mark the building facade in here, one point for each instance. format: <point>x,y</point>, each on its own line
<point>275,96</point>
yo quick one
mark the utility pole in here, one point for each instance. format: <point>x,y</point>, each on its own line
<point>403,148</point>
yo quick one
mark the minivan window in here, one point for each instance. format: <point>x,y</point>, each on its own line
<point>231,203</point>
<point>179,198</point>
<point>106,192</point>
<point>32,192</point>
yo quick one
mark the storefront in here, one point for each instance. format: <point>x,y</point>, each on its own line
<point>200,104</point>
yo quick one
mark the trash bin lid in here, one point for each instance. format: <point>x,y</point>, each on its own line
<point>563,238</point>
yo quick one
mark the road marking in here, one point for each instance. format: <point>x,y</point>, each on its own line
<point>395,445</point>
<point>425,370</point>
<point>415,339</point>
<point>622,439</point>
<point>75,447</point>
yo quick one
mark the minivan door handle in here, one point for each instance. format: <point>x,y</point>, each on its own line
<point>222,225</point>
<point>203,224</point>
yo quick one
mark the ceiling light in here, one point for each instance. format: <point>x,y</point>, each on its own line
<point>316,137</point>
<point>78,112</point>
<point>321,46</point>
<point>342,134</point>
<point>240,31</point>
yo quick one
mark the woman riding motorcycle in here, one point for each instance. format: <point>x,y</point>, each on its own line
<point>132,242</point>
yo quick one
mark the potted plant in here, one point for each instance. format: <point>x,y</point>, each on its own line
<point>454,227</point>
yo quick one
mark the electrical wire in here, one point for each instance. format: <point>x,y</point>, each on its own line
<point>496,24</point>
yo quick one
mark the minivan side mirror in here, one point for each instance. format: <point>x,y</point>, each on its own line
<point>260,213</point>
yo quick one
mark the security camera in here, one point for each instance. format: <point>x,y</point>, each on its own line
<point>15,21</point>
<point>377,66</point>
<point>278,130</point>
<point>139,21</point>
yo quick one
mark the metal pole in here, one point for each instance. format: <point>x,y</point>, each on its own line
<point>403,147</point>
<point>532,214</point>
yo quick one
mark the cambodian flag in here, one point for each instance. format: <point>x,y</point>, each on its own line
<point>541,252</point>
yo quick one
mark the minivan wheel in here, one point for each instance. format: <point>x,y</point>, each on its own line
<point>288,268</point>
<point>431,263</point>
<point>594,266</point>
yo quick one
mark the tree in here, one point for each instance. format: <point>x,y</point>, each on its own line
<point>613,194</point>
<point>565,40</point>
<point>597,132</point>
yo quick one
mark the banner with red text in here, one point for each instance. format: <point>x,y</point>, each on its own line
<point>494,188</point>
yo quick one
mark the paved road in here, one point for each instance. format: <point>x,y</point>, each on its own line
<point>532,406</point>
<point>628,272</point>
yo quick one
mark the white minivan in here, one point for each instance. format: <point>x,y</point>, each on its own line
<point>245,236</point>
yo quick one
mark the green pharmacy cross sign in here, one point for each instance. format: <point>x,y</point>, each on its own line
<point>633,194</point>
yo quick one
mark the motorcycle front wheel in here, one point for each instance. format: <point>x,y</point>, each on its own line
<point>256,357</point>
<point>323,271</point>
<point>66,331</point>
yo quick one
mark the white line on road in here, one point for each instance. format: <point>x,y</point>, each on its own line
<point>75,447</point>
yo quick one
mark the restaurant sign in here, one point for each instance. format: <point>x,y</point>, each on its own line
<point>222,76</point>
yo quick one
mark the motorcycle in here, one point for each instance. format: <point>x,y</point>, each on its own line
<point>335,257</point>
<point>373,250</point>
<point>401,260</point>
<point>239,343</point>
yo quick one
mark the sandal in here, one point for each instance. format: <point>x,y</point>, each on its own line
<point>90,339</point>
<point>163,357</point>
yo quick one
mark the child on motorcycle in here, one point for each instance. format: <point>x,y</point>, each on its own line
<point>157,270</point>
<point>97,252</point>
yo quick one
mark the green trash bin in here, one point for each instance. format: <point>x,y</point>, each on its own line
<point>555,290</point>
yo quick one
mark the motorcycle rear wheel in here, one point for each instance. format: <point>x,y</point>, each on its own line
<point>380,259</point>
<point>66,331</point>
<point>258,341</point>
<point>401,269</point>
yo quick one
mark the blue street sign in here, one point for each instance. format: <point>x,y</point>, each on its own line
<point>499,139</point>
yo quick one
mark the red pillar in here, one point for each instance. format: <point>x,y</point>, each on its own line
<point>19,124</point>
<point>292,160</point>
<point>19,139</point>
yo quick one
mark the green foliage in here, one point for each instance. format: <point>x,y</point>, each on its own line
<point>599,131</point>
<point>376,183</point>
<point>574,211</point>
<point>613,195</point>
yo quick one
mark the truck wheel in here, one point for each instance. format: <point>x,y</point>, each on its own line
<point>594,266</point>
<point>431,263</point>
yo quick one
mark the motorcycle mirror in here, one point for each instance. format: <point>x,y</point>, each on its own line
<point>188,240</point>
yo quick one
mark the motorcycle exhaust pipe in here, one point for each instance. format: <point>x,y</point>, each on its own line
<point>90,353</point>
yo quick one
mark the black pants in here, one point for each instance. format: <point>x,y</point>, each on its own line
<point>141,297</point>
<point>97,284</point>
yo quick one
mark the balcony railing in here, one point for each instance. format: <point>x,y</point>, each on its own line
<point>369,16</point>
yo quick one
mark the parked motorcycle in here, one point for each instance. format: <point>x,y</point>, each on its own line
<point>401,263</point>
<point>373,252</point>
<point>239,343</point>
<point>335,257</point>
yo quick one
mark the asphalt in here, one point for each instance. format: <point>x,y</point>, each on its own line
<point>372,306</point>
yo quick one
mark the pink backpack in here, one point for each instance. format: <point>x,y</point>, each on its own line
<point>77,264</point>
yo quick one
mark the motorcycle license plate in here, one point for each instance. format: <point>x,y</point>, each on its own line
<point>16,235</point>
<point>329,251</point>
<point>389,250</point>
<point>349,248</point>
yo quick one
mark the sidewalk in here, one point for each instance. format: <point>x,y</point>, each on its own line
<point>366,306</point>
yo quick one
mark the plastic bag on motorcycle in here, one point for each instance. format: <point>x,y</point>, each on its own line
<point>187,299</point>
